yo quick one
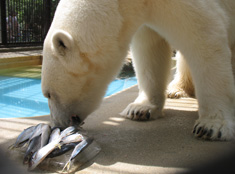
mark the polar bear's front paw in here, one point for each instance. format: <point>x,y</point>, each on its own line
<point>176,93</point>
<point>174,90</point>
<point>214,129</point>
<point>178,89</point>
<point>136,111</point>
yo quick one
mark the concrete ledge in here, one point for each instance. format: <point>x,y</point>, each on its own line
<point>20,59</point>
<point>14,62</point>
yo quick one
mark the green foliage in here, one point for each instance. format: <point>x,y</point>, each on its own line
<point>31,16</point>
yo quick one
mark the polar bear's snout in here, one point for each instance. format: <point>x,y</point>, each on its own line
<point>61,117</point>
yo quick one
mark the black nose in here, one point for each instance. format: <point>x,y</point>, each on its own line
<point>75,120</point>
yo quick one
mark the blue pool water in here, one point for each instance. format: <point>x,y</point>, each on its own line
<point>22,97</point>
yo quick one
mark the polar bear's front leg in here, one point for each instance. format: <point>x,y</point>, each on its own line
<point>215,92</point>
<point>151,57</point>
<point>182,84</point>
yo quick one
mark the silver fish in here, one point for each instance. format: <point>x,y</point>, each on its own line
<point>34,145</point>
<point>44,130</point>
<point>72,139</point>
<point>23,137</point>
<point>60,151</point>
<point>37,131</point>
<point>78,148</point>
<point>68,131</point>
<point>54,135</point>
<point>42,153</point>
<point>67,143</point>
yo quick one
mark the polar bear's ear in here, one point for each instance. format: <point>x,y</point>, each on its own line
<point>62,42</point>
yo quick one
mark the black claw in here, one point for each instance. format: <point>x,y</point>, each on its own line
<point>199,129</point>
<point>204,132</point>
<point>219,134</point>
<point>194,129</point>
<point>148,115</point>
<point>141,114</point>
<point>131,117</point>
<point>137,113</point>
<point>201,133</point>
<point>209,134</point>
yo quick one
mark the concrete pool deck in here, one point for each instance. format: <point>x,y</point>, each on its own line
<point>162,146</point>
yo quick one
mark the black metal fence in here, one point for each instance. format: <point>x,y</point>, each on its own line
<point>25,22</point>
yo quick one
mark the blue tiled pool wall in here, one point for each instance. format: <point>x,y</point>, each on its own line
<point>22,97</point>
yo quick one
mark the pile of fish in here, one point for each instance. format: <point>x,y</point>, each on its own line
<point>42,141</point>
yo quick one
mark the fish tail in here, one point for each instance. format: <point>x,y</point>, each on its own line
<point>70,133</point>
<point>26,144</point>
<point>58,145</point>
<point>67,165</point>
<point>67,132</point>
<point>11,147</point>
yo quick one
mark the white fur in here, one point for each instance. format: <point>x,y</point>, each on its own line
<point>182,85</point>
<point>77,76</point>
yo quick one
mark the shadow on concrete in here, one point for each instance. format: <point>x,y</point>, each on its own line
<point>165,142</point>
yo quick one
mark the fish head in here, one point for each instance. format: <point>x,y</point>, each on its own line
<point>27,158</point>
<point>32,161</point>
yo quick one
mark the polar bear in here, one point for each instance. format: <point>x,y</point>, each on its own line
<point>89,39</point>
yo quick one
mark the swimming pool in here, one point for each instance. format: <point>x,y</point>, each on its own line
<point>22,97</point>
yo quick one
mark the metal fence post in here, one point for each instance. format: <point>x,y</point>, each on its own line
<point>3,22</point>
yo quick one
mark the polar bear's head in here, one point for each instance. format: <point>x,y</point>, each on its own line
<point>81,55</point>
